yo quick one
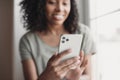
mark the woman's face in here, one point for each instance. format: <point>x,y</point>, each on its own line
<point>57,11</point>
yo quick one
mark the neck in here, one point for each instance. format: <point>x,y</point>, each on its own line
<point>56,30</point>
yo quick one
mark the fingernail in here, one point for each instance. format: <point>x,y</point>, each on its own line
<point>78,62</point>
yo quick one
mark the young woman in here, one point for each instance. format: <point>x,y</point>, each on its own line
<point>46,20</point>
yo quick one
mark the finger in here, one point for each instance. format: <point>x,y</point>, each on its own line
<point>51,60</point>
<point>85,61</point>
<point>68,62</point>
<point>81,56</point>
<point>62,54</point>
<point>53,57</point>
<point>69,67</point>
<point>83,67</point>
<point>54,60</point>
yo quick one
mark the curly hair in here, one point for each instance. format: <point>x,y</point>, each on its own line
<point>35,19</point>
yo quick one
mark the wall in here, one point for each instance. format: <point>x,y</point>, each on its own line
<point>6,38</point>
<point>18,32</point>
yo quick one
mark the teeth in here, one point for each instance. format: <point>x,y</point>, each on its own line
<point>59,16</point>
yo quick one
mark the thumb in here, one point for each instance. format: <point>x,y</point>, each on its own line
<point>81,56</point>
<point>83,66</point>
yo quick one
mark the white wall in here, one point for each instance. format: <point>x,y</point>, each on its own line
<point>18,32</point>
<point>6,38</point>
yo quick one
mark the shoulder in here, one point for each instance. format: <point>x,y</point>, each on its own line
<point>28,41</point>
<point>28,35</point>
<point>88,45</point>
<point>84,29</point>
<point>27,38</point>
<point>26,45</point>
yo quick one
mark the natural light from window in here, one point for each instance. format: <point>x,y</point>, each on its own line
<point>105,25</point>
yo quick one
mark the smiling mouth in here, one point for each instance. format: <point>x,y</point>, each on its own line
<point>58,17</point>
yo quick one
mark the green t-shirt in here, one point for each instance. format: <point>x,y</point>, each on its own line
<point>32,46</point>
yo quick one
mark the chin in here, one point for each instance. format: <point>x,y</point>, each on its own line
<point>59,23</point>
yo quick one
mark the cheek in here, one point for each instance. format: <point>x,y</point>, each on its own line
<point>48,8</point>
<point>68,10</point>
<point>48,11</point>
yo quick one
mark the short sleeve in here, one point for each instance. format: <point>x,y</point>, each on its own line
<point>89,46</point>
<point>24,48</point>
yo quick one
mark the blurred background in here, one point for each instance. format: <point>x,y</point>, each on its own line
<point>102,16</point>
<point>105,25</point>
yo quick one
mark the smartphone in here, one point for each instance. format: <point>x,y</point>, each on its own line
<point>70,41</point>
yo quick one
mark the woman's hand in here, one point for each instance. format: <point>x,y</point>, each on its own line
<point>57,70</point>
<point>75,74</point>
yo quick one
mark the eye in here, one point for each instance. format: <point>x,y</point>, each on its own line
<point>52,2</point>
<point>65,3</point>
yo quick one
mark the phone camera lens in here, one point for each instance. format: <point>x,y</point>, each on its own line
<point>63,37</point>
<point>63,41</point>
<point>67,39</point>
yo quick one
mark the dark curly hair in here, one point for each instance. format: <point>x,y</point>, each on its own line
<point>35,19</point>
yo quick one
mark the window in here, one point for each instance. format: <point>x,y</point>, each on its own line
<point>105,25</point>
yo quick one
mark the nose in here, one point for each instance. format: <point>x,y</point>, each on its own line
<point>59,8</point>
